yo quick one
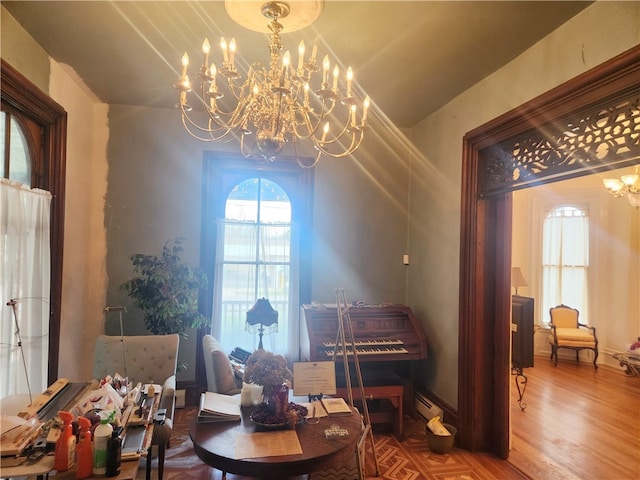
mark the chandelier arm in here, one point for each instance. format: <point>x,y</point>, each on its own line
<point>195,129</point>
<point>337,138</point>
<point>299,160</point>
<point>195,135</point>
<point>355,143</point>
<point>236,121</point>
<point>245,153</point>
<point>309,124</point>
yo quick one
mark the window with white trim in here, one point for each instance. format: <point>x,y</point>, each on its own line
<point>254,261</point>
<point>565,259</point>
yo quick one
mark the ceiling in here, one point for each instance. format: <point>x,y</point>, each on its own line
<point>410,57</point>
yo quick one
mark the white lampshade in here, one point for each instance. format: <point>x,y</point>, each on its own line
<point>517,279</point>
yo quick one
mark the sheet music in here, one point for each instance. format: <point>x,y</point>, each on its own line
<point>267,444</point>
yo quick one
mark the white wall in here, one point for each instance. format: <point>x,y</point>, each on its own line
<point>84,274</point>
<point>582,43</point>
<point>84,270</point>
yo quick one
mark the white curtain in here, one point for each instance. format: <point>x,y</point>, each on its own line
<point>240,280</point>
<point>24,278</point>
<point>565,259</point>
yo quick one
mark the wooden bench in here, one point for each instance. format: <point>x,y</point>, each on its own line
<point>392,393</point>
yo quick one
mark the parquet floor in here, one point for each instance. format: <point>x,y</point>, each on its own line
<point>578,424</point>
<point>406,460</point>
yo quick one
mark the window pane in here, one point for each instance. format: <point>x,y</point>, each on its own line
<point>274,203</point>
<point>275,245</point>
<point>242,202</point>
<point>565,259</point>
<point>238,281</point>
<point>19,163</point>
<point>239,242</point>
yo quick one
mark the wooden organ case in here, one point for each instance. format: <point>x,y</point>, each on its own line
<point>389,343</point>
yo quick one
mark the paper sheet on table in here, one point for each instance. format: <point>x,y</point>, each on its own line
<point>315,409</point>
<point>267,444</point>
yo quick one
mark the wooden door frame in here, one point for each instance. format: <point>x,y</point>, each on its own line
<point>485,245</point>
<point>26,98</point>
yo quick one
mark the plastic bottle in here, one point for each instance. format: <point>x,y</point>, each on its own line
<point>84,454</point>
<point>65,445</point>
<point>101,434</point>
<point>114,453</point>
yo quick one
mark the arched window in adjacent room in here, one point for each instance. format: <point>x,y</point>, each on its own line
<point>565,259</point>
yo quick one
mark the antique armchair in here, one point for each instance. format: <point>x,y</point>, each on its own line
<point>145,359</point>
<point>568,332</point>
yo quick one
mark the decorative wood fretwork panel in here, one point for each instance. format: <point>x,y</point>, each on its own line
<point>591,140</point>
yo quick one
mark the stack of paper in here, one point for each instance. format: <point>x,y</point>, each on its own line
<point>335,406</point>
<point>215,407</point>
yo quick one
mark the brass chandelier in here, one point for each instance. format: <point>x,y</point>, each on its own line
<point>628,185</point>
<point>273,106</point>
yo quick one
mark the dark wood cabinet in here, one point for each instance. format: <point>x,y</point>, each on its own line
<point>522,332</point>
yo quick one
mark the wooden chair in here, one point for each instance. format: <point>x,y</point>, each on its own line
<point>568,332</point>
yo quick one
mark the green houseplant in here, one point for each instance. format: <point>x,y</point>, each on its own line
<point>167,289</point>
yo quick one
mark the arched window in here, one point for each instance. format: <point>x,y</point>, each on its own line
<point>565,259</point>
<point>256,224</point>
<point>254,261</point>
<point>14,151</point>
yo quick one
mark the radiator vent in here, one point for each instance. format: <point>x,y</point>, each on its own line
<point>426,408</point>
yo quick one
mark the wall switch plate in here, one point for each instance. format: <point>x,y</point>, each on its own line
<point>405,259</point>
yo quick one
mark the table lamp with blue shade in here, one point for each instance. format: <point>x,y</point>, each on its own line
<point>263,315</point>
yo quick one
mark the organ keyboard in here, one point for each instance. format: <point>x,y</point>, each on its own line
<point>388,340</point>
<point>387,332</point>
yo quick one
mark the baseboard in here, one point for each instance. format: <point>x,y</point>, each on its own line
<point>192,391</point>
<point>450,414</point>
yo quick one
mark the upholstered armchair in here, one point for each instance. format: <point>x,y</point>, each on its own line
<point>568,332</point>
<point>145,359</point>
<point>220,375</point>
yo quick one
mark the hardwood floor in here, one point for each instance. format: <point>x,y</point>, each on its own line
<point>578,424</point>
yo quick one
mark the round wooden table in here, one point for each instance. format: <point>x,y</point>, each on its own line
<point>215,444</point>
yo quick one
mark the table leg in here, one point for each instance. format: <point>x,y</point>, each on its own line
<point>521,384</point>
<point>148,477</point>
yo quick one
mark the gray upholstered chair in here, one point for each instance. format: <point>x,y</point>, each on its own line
<point>148,359</point>
<point>221,377</point>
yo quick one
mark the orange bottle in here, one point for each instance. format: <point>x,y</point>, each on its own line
<point>65,445</point>
<point>84,454</point>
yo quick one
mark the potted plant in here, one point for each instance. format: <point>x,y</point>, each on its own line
<point>167,289</point>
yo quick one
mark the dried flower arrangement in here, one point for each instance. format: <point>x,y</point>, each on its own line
<point>266,369</point>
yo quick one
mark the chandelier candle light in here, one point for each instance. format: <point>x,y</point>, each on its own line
<point>277,105</point>
<point>628,185</point>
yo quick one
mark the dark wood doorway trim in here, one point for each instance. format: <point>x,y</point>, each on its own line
<point>485,251</point>
<point>49,174</point>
